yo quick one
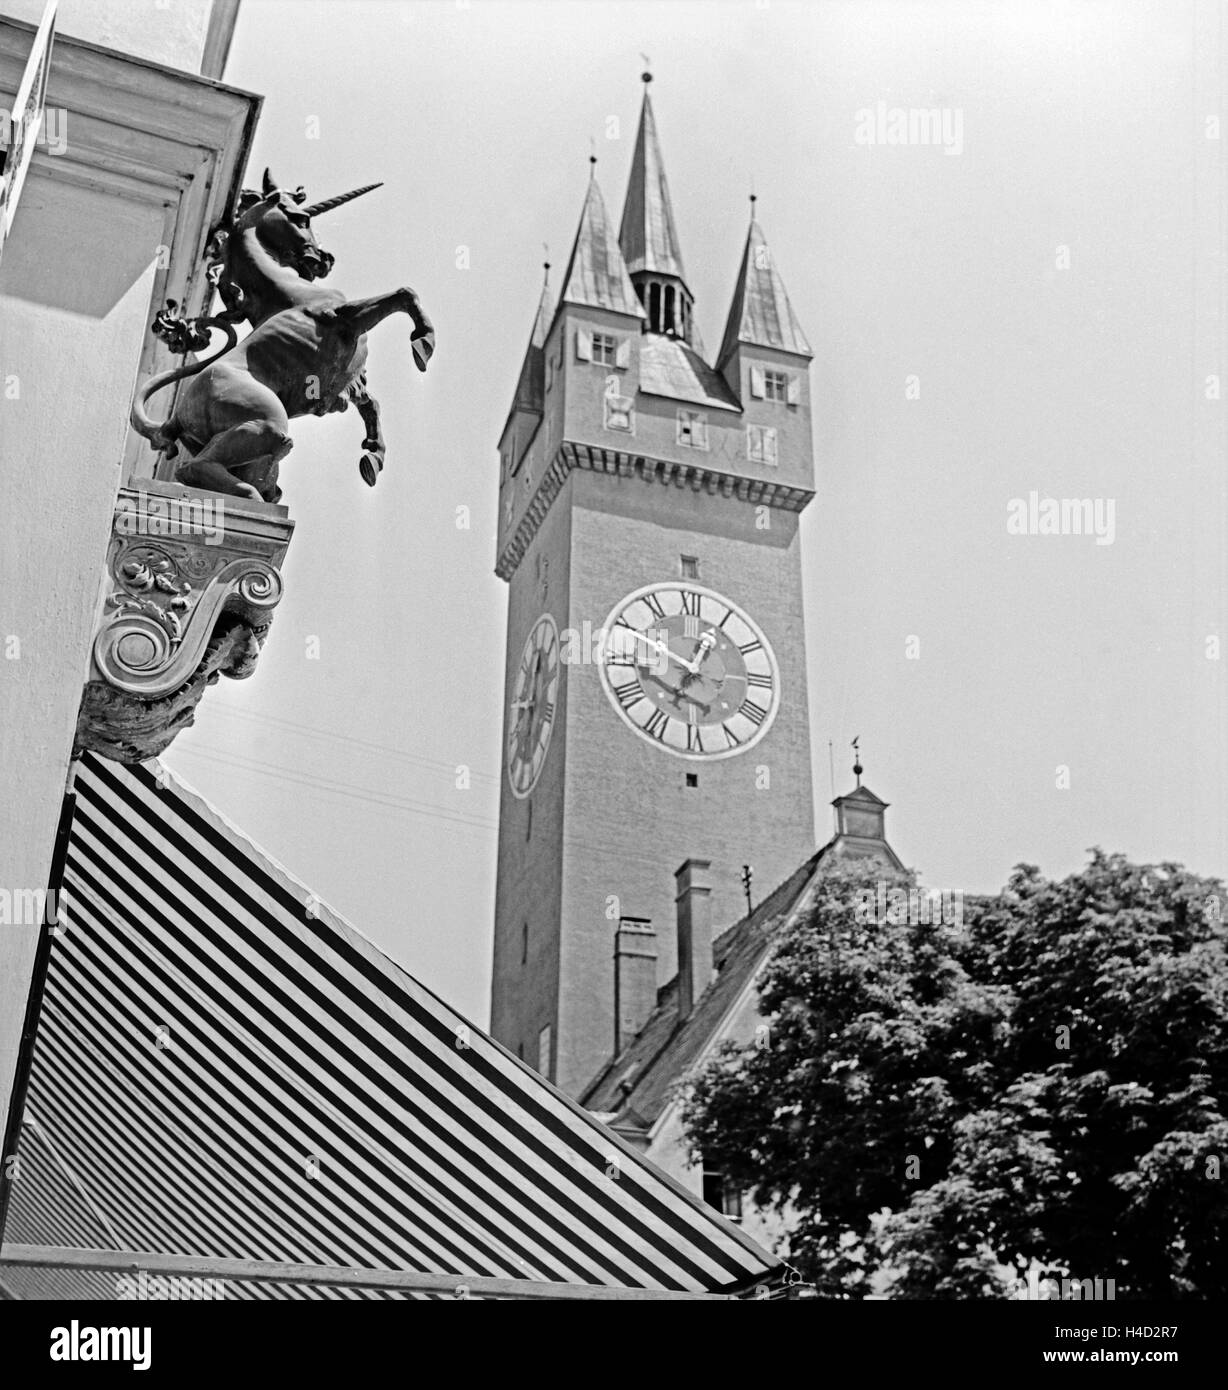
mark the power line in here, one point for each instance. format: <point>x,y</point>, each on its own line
<point>330,786</point>
<point>294,725</point>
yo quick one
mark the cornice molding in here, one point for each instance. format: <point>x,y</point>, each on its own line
<point>151,134</point>
<point>597,459</point>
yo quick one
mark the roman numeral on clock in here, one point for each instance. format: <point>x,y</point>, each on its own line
<point>752,646</point>
<point>753,712</point>
<point>690,602</point>
<point>628,694</point>
<point>655,605</point>
<point>759,682</point>
<point>658,722</point>
<point>694,739</point>
<point>731,739</point>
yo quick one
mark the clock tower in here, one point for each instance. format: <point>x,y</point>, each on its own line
<point>655,704</point>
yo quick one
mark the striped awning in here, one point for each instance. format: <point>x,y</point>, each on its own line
<point>225,1068</point>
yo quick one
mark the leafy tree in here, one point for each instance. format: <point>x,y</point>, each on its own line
<point>941,1109</point>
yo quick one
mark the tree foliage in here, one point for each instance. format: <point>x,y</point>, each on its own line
<point>940,1109</point>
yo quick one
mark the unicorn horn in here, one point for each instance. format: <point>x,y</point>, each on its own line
<point>329,203</point>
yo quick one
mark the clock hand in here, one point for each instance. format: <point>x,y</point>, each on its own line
<point>679,693</point>
<point>669,654</point>
<point>706,645</point>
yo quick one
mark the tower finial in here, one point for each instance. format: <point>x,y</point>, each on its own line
<point>646,75</point>
<point>546,264</point>
<point>592,153</point>
<point>857,767</point>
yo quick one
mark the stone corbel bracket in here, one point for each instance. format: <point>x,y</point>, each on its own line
<point>192,582</point>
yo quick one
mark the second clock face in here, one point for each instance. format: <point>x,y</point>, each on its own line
<point>535,691</point>
<point>689,671</point>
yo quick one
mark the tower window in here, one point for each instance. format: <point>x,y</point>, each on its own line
<point>775,386</point>
<point>605,349</point>
<point>690,566</point>
<point>692,779</point>
<point>761,444</point>
<point>524,944</point>
<point>693,429</point>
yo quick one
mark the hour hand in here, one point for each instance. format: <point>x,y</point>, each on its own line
<point>668,653</point>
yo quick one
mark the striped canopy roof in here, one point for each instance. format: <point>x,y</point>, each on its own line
<point>225,1068</point>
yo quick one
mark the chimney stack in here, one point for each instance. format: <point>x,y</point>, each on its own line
<point>694,911</point>
<point>635,978</point>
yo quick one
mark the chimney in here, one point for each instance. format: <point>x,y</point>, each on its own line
<point>635,978</point>
<point>694,911</point>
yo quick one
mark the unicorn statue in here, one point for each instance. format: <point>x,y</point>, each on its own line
<point>305,354</point>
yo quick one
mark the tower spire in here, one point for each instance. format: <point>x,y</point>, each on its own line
<point>761,314</point>
<point>596,272</point>
<point>648,235</point>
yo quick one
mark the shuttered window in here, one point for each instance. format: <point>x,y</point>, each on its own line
<point>693,429</point>
<point>761,444</point>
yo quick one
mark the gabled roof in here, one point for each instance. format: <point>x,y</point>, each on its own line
<point>761,314</point>
<point>224,1068</point>
<point>596,273</point>
<point>665,1049</point>
<point>636,1086</point>
<point>670,367</point>
<point>648,236</point>
<point>531,386</point>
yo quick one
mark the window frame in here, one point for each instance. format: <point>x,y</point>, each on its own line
<point>692,422</point>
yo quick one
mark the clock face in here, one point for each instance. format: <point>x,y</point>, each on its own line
<point>535,690</point>
<point>689,671</point>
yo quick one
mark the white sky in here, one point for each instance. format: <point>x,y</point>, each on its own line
<point>1083,126</point>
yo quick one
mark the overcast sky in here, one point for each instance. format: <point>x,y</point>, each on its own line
<point>1076,373</point>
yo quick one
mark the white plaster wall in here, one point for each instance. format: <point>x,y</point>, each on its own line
<point>171,32</point>
<point>75,285</point>
<point>667,1146</point>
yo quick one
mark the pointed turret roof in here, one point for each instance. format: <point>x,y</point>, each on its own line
<point>596,273</point>
<point>648,236</point>
<point>531,387</point>
<point>761,313</point>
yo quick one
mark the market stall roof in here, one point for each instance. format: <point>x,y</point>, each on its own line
<point>227,1070</point>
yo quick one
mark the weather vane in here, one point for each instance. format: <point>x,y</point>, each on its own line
<point>857,767</point>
